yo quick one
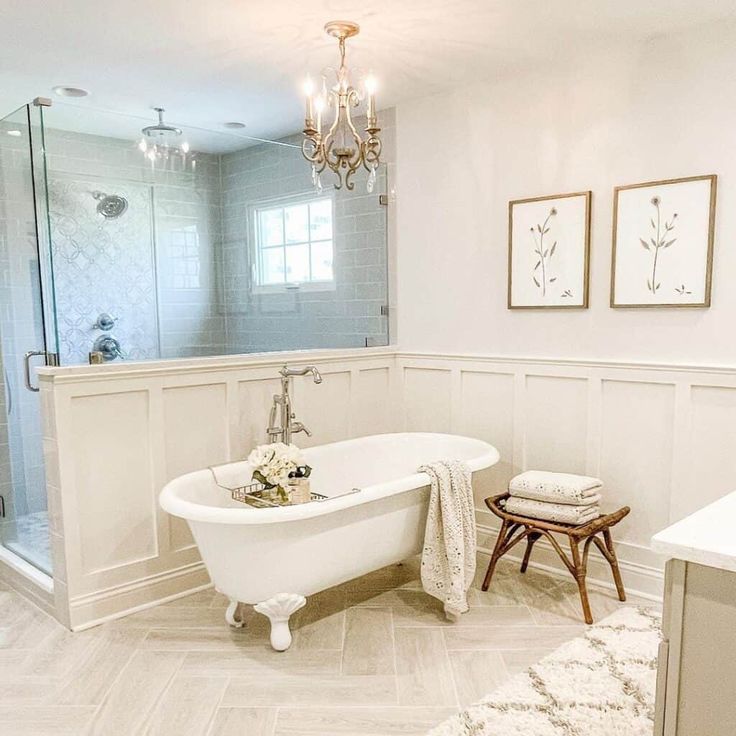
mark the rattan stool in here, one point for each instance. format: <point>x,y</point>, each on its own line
<point>514,528</point>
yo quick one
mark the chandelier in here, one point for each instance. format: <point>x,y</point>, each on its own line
<point>341,147</point>
<point>160,143</point>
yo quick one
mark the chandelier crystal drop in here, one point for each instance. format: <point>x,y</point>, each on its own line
<point>160,143</point>
<point>341,148</point>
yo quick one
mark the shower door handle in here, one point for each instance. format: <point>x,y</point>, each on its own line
<point>49,359</point>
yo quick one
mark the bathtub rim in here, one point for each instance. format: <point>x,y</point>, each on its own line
<point>170,502</point>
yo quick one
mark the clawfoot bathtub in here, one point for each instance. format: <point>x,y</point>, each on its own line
<point>274,558</point>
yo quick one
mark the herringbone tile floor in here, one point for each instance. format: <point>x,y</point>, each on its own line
<point>374,656</point>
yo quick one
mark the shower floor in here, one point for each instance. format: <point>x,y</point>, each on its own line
<point>28,537</point>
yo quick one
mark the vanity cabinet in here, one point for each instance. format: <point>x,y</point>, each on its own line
<point>696,675</point>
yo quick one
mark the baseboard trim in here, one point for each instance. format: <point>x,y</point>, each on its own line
<point>644,581</point>
<point>97,608</point>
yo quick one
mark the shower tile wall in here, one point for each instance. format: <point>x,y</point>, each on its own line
<point>170,229</point>
<point>348,316</point>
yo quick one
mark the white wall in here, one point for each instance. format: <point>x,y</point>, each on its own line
<point>599,119</point>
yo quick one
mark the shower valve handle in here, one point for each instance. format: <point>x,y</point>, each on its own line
<point>105,322</point>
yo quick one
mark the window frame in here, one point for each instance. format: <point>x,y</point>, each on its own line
<point>256,250</point>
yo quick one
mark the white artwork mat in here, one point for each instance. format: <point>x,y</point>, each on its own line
<point>662,244</point>
<point>548,262</point>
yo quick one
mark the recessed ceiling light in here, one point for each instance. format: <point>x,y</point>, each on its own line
<point>64,91</point>
<point>234,125</point>
<point>14,132</point>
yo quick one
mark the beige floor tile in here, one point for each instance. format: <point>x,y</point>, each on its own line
<point>187,708</point>
<point>173,617</point>
<point>314,691</point>
<point>249,661</point>
<point>62,652</point>
<point>434,615</point>
<point>519,660</point>
<point>22,626</point>
<point>141,682</point>
<point>369,721</point>
<point>321,623</point>
<point>25,690</point>
<point>476,673</point>
<point>244,722</point>
<point>369,642</point>
<point>200,598</point>
<point>423,670</point>
<point>393,576</point>
<point>512,637</point>
<point>44,721</point>
<point>88,683</point>
<point>204,639</point>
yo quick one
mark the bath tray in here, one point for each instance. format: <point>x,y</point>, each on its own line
<point>252,494</point>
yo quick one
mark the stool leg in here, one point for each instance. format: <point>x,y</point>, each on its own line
<point>531,538</point>
<point>614,565</point>
<point>580,579</point>
<point>496,554</point>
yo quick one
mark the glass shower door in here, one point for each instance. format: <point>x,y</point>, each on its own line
<point>27,335</point>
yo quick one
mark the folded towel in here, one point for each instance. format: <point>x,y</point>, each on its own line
<point>448,556</point>
<point>565,488</point>
<point>559,512</point>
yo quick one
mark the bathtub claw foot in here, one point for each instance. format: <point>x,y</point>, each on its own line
<point>233,615</point>
<point>278,610</point>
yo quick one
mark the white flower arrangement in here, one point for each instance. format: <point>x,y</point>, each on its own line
<point>272,463</point>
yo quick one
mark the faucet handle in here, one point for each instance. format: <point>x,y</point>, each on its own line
<point>297,427</point>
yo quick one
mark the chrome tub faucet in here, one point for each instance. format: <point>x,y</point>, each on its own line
<point>283,407</point>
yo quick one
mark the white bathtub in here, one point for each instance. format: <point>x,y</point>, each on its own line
<point>274,558</point>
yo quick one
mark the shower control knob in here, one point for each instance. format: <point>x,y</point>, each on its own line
<point>105,322</point>
<point>109,346</point>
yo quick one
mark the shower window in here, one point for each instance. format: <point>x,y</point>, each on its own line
<point>294,244</point>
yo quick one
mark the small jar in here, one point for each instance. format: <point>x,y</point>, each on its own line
<point>299,490</point>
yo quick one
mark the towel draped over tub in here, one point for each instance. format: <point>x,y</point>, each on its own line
<point>448,557</point>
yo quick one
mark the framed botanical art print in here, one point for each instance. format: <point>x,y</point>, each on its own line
<point>663,243</point>
<point>549,249</point>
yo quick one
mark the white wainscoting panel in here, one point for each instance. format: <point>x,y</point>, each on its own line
<point>428,399</point>
<point>117,434</point>
<point>712,445</point>
<point>660,437</point>
<point>637,434</point>
<point>113,479</point>
<point>555,423</point>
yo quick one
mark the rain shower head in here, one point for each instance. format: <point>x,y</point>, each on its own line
<point>161,129</point>
<point>110,206</point>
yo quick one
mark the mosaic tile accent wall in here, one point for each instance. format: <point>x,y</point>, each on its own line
<point>155,267</point>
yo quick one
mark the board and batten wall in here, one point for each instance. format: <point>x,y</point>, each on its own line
<point>660,437</point>
<point>114,436</point>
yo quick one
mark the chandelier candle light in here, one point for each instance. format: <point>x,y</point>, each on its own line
<point>342,148</point>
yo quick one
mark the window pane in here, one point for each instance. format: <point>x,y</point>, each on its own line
<point>297,223</point>
<point>272,266</point>
<point>320,213</point>
<point>322,261</point>
<point>272,228</point>
<point>297,263</point>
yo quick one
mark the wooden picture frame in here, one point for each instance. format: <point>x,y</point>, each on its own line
<point>650,218</point>
<point>565,218</point>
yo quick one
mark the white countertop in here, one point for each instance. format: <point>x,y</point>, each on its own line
<point>707,537</point>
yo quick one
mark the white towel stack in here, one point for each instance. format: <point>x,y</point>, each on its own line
<point>560,497</point>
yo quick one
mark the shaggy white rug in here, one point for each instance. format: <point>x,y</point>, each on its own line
<point>601,684</point>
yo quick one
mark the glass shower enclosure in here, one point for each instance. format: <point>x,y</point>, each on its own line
<point>28,335</point>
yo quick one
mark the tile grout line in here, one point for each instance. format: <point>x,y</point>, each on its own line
<point>458,704</point>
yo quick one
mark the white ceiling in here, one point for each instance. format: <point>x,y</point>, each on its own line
<point>210,61</point>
